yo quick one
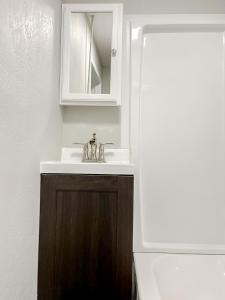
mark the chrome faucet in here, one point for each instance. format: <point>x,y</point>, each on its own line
<point>93,148</point>
<point>92,152</point>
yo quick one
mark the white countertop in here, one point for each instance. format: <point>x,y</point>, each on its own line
<point>117,163</point>
<point>86,168</point>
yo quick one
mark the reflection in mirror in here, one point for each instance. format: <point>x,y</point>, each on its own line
<point>90,53</point>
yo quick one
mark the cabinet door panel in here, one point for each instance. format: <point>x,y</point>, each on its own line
<point>85,244</point>
<point>86,235</point>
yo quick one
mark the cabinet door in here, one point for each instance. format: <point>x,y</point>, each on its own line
<point>85,249</point>
<point>91,69</point>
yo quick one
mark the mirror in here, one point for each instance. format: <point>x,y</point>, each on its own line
<point>91,65</point>
<point>90,52</point>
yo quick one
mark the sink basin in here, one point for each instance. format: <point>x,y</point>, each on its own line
<point>117,163</point>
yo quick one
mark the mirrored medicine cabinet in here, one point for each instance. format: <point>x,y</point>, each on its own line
<point>91,54</point>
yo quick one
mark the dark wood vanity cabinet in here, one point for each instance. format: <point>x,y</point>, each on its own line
<point>85,244</point>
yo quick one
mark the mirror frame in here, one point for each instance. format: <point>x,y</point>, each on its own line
<point>112,99</point>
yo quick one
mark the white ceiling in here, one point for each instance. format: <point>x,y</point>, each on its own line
<point>164,6</point>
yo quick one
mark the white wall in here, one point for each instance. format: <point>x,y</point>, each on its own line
<point>30,130</point>
<point>164,6</point>
<point>80,122</point>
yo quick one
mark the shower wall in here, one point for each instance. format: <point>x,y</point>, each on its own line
<point>182,138</point>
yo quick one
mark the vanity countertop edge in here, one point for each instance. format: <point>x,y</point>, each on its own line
<point>58,167</point>
<point>117,163</point>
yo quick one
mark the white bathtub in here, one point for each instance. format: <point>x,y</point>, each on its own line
<point>180,276</point>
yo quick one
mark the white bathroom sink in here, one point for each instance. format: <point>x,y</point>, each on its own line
<point>117,163</point>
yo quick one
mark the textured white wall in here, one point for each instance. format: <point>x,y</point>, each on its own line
<point>164,6</point>
<point>30,130</point>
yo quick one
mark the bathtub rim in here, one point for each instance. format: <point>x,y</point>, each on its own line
<point>147,285</point>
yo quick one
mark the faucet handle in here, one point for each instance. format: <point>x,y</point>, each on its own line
<point>85,155</point>
<point>101,156</point>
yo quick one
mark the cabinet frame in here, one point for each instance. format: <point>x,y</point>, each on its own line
<point>122,186</point>
<point>112,99</point>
